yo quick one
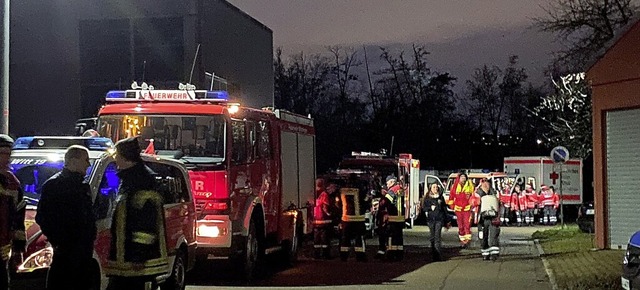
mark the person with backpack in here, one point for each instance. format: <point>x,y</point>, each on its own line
<point>490,219</point>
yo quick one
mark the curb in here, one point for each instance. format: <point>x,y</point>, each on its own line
<point>547,267</point>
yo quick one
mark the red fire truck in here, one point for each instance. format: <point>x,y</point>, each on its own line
<point>252,170</point>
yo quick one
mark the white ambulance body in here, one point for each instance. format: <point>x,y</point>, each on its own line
<point>539,170</point>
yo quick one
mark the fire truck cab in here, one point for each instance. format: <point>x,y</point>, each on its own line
<point>252,170</point>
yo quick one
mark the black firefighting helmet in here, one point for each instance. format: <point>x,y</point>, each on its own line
<point>129,149</point>
<point>6,141</point>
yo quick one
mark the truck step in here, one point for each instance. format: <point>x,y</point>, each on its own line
<point>272,250</point>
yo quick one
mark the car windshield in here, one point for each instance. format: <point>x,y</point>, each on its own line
<point>194,139</point>
<point>33,171</point>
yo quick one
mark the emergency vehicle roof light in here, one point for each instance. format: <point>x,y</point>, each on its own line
<point>116,94</point>
<point>62,142</point>
<point>167,95</point>
<point>218,95</point>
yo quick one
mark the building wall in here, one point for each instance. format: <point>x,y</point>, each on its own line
<point>240,49</point>
<point>65,54</point>
<point>615,81</point>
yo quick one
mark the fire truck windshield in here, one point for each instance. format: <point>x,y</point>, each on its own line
<point>33,171</point>
<point>196,139</point>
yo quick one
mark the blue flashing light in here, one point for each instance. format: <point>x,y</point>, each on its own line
<point>99,143</point>
<point>22,143</point>
<point>61,142</point>
<point>217,95</point>
<point>635,239</point>
<point>116,95</point>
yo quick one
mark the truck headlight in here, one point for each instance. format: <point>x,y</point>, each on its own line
<point>209,231</point>
<point>38,260</point>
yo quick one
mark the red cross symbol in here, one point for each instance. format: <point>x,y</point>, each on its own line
<point>554,176</point>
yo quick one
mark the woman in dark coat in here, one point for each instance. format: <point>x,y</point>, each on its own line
<point>435,208</point>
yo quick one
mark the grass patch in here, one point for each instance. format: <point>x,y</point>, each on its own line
<point>575,263</point>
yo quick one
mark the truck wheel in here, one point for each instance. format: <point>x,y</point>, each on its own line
<point>250,254</point>
<point>96,279</point>
<point>177,279</point>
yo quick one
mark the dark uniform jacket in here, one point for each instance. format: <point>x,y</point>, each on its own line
<point>65,214</point>
<point>137,228</point>
<point>435,208</point>
<point>12,209</point>
<point>388,207</point>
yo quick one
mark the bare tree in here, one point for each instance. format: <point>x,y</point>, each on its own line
<point>498,97</point>
<point>490,105</point>
<point>584,27</point>
<point>567,114</point>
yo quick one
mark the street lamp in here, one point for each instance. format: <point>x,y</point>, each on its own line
<point>4,123</point>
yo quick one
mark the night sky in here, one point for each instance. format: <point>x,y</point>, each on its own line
<point>461,34</point>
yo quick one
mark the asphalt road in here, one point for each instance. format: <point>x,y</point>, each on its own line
<point>518,267</point>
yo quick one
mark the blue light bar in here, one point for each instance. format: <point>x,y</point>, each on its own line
<point>218,95</point>
<point>99,143</point>
<point>22,143</point>
<point>62,142</point>
<point>116,95</point>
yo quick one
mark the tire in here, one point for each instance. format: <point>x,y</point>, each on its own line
<point>178,273</point>
<point>250,254</point>
<point>96,278</point>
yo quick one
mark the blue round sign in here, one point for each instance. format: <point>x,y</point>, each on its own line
<point>559,154</point>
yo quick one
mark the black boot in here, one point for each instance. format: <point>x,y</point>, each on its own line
<point>326,253</point>
<point>379,255</point>
<point>437,257</point>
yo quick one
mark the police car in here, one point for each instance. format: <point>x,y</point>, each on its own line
<point>36,159</point>
<point>631,264</point>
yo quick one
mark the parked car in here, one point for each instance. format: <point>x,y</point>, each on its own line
<point>631,264</point>
<point>585,221</point>
<point>35,159</point>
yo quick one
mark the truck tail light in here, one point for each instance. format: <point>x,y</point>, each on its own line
<point>216,205</point>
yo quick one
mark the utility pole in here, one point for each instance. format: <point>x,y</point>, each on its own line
<point>4,124</point>
<point>561,199</point>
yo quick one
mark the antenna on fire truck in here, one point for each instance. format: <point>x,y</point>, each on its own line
<point>144,69</point>
<point>193,65</point>
<point>391,149</point>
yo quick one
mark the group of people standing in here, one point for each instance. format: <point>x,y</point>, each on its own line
<point>527,205</point>
<point>65,215</point>
<point>345,207</point>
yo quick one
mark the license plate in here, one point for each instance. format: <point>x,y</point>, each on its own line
<point>625,283</point>
<point>591,211</point>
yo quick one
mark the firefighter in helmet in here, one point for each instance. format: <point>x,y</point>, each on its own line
<point>12,209</point>
<point>353,199</point>
<point>391,221</point>
<point>138,251</point>
<point>323,222</point>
